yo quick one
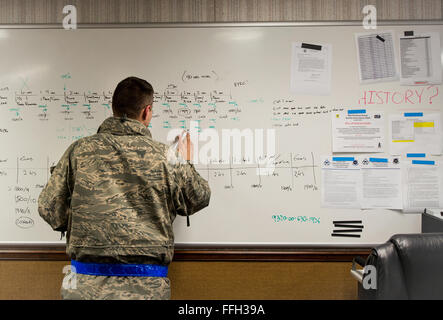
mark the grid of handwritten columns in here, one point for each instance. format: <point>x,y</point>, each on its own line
<point>185,11</point>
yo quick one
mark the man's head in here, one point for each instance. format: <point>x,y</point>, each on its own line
<point>133,98</point>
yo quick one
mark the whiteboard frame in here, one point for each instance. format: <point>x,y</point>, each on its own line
<point>226,245</point>
<point>384,23</point>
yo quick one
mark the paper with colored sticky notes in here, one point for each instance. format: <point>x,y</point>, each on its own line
<point>365,182</point>
<point>340,187</point>
<point>358,131</point>
<point>381,183</point>
<point>422,185</point>
<point>413,132</point>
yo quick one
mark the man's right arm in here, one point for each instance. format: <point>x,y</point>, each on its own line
<point>192,192</point>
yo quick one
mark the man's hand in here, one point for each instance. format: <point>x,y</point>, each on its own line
<point>186,148</point>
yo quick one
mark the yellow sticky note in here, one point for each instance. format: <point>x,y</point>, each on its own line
<point>423,124</point>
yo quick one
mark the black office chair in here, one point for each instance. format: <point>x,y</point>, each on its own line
<point>408,266</point>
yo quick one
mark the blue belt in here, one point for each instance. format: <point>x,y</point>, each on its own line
<point>119,270</point>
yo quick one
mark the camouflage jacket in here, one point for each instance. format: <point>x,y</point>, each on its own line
<point>116,196</point>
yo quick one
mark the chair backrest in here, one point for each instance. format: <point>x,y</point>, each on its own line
<point>409,266</point>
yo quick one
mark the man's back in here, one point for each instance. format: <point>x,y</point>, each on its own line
<point>116,196</point>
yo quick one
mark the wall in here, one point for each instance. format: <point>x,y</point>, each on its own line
<point>202,280</point>
<point>209,279</point>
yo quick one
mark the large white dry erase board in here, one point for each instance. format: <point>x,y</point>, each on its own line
<point>56,87</point>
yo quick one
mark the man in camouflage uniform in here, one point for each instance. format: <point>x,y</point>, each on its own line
<point>116,196</point>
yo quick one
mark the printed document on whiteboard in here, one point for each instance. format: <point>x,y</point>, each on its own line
<point>311,69</point>
<point>420,56</point>
<point>415,132</point>
<point>358,131</point>
<point>422,186</point>
<point>376,57</point>
<point>381,183</point>
<point>340,187</point>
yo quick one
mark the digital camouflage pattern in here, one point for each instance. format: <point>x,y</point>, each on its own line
<point>118,288</point>
<point>116,196</point>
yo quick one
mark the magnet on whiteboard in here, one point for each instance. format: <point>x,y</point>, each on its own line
<point>310,46</point>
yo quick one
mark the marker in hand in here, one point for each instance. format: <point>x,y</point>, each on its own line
<point>186,150</point>
<point>188,144</point>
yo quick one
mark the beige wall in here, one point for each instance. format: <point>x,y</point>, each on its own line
<point>202,280</point>
<point>138,11</point>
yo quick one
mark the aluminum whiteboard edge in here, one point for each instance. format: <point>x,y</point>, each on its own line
<point>224,245</point>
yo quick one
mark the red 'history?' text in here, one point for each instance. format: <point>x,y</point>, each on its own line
<point>421,95</point>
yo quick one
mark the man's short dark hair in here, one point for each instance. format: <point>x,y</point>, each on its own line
<point>130,97</point>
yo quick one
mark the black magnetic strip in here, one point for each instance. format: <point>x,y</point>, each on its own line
<point>347,230</point>
<point>347,221</point>
<point>345,235</point>
<point>352,226</point>
<point>310,46</point>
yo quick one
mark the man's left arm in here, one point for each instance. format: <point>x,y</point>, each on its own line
<point>55,199</point>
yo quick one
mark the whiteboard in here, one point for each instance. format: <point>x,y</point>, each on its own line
<point>56,87</point>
